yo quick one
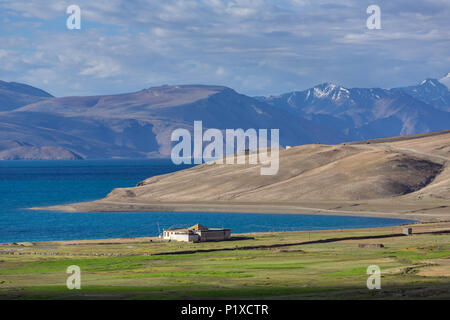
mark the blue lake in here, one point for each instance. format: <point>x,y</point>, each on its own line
<point>25,184</point>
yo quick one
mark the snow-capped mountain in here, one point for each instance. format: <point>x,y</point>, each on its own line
<point>430,91</point>
<point>361,113</point>
<point>329,98</point>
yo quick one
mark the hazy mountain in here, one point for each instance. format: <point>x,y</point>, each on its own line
<point>11,144</point>
<point>90,137</point>
<point>14,95</point>
<point>139,124</point>
<point>18,150</point>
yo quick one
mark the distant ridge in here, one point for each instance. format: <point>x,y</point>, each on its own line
<point>14,95</point>
<point>139,124</point>
<point>430,91</point>
<point>403,138</point>
<point>18,150</point>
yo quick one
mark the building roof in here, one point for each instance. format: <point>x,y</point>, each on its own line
<point>198,227</point>
<point>195,228</point>
<point>181,231</point>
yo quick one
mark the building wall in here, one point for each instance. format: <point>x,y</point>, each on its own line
<point>208,235</point>
<point>180,236</point>
<point>214,235</point>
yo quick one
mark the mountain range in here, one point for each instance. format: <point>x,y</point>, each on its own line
<point>139,124</point>
<point>362,113</point>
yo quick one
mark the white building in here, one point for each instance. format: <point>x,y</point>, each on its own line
<point>197,233</point>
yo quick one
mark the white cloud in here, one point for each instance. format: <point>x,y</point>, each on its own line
<point>126,45</point>
<point>3,53</point>
<point>160,32</point>
<point>220,71</point>
<point>104,68</point>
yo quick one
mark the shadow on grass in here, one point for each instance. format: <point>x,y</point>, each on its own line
<point>404,291</point>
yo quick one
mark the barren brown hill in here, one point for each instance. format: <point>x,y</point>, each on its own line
<point>406,177</point>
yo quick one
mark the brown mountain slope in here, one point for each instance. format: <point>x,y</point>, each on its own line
<point>438,148</point>
<point>306,172</point>
<point>408,175</point>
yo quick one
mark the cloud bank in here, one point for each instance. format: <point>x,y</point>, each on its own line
<point>258,47</point>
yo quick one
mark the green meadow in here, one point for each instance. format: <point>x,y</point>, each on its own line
<point>412,267</point>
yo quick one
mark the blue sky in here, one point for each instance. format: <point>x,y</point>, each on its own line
<point>257,47</point>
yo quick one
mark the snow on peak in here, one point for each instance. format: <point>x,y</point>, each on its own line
<point>329,90</point>
<point>432,82</point>
<point>446,80</point>
<point>324,90</point>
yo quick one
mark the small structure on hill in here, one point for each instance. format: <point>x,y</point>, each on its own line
<point>407,231</point>
<point>370,245</point>
<point>197,233</point>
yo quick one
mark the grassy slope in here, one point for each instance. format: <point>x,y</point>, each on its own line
<point>413,267</point>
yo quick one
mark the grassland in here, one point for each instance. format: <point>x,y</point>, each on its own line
<point>294,265</point>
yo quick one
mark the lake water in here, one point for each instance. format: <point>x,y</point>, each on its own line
<point>25,184</point>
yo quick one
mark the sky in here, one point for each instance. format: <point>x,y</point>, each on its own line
<point>257,47</point>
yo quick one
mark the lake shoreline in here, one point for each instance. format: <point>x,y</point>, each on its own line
<point>156,239</point>
<point>423,211</point>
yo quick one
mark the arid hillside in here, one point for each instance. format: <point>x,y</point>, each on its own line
<point>404,174</point>
<point>342,172</point>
